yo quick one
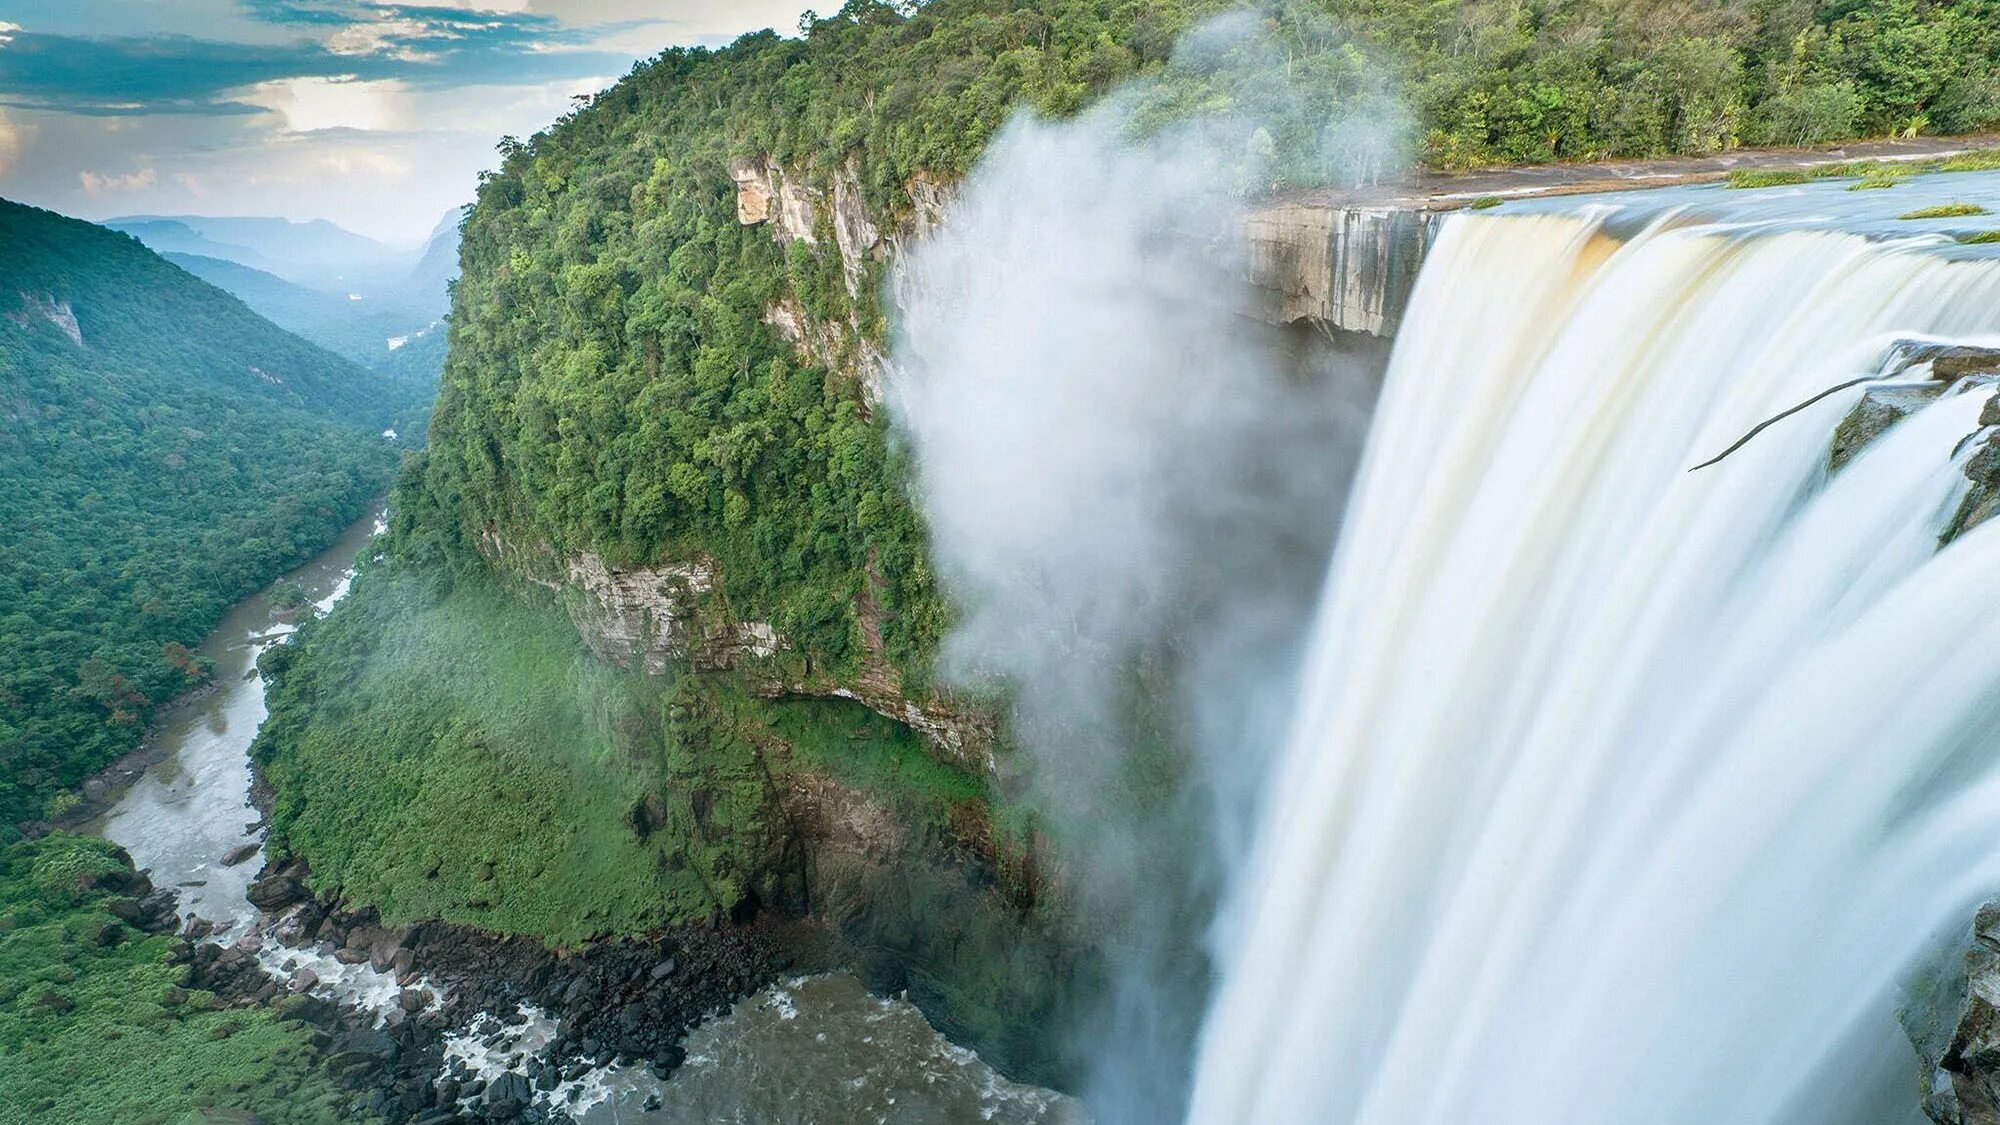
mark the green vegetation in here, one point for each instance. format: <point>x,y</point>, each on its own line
<point>1496,82</point>
<point>861,749</point>
<point>1980,238</point>
<point>166,452</point>
<point>1982,160</point>
<point>1871,173</point>
<point>613,385</point>
<point>451,750</point>
<point>95,1026</point>
<point>1944,211</point>
<point>1768,177</point>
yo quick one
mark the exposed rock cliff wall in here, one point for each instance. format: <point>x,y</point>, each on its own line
<point>1347,268</point>
<point>671,612</point>
<point>56,312</point>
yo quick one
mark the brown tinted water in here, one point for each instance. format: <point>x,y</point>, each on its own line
<point>192,805</point>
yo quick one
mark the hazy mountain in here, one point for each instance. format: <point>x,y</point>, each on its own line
<point>358,329</point>
<point>426,288</point>
<point>316,253</point>
<point>172,236</point>
<point>386,324</point>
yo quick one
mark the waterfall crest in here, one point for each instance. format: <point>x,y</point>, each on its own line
<point>1619,793</point>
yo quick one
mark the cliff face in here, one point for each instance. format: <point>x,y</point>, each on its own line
<point>1347,268</point>
<point>673,609</point>
<point>1344,269</point>
<point>663,407</point>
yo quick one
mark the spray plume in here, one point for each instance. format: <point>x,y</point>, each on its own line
<point>1133,487</point>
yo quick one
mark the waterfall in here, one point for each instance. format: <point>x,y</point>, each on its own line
<point>1615,792</point>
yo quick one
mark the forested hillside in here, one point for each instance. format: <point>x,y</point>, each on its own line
<point>613,384</point>
<point>642,377</point>
<point>97,1026</point>
<point>165,452</point>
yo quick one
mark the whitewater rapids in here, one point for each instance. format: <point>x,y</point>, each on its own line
<point>1618,793</point>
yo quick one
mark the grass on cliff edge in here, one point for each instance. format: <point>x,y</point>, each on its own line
<point>452,750</point>
<point>93,1032</point>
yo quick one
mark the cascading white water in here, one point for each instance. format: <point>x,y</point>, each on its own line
<point>1618,793</point>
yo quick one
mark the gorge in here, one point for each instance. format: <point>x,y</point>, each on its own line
<point>1028,561</point>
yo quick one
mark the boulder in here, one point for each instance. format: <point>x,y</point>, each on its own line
<point>275,892</point>
<point>1879,408</point>
<point>159,910</point>
<point>508,1089</point>
<point>1963,361</point>
<point>1948,362</point>
<point>241,852</point>
<point>1957,1031</point>
<point>369,1047</point>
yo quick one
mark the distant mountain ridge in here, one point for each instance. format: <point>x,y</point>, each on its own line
<point>166,236</point>
<point>341,290</point>
<point>317,252</point>
<point>427,286</point>
<point>358,330</point>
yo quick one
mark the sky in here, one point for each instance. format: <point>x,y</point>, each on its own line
<point>375,114</point>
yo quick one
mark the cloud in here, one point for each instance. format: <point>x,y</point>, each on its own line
<point>431,47</point>
<point>105,76</point>
<point>377,115</point>
<point>310,105</point>
<point>101,183</point>
<point>11,141</point>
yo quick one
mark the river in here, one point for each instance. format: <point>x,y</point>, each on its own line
<point>808,1049</point>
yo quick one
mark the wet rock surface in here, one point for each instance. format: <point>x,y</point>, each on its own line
<point>1982,500</point>
<point>626,1001</point>
<point>1957,1033</point>
<point>1879,409</point>
<point>1923,372</point>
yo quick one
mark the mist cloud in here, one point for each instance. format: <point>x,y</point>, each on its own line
<point>1133,482</point>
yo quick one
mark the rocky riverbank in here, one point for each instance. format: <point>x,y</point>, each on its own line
<point>627,1003</point>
